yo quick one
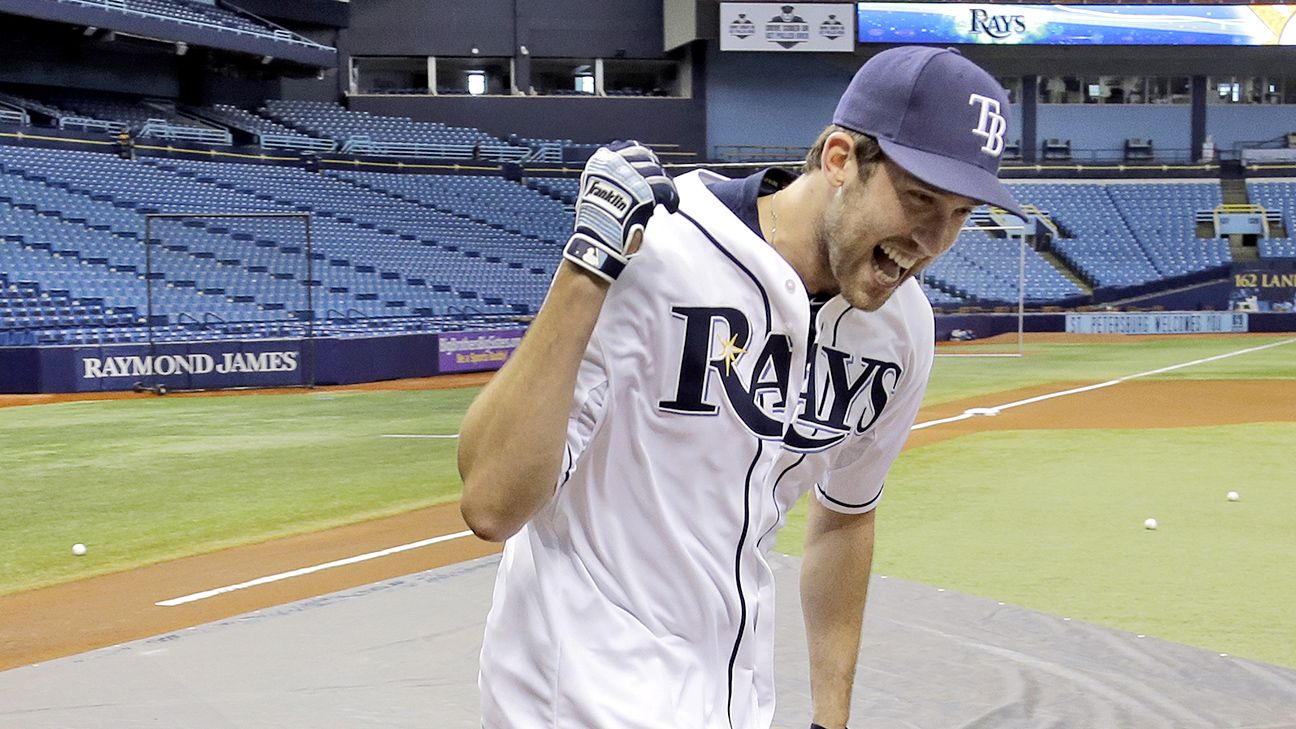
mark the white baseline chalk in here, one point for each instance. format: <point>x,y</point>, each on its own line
<point>173,602</point>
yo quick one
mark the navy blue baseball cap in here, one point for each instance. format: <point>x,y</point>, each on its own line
<point>936,114</point>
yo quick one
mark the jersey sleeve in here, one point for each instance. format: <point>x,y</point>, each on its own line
<point>622,319</point>
<point>855,477</point>
<point>589,402</point>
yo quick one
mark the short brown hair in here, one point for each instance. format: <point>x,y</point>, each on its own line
<point>867,150</point>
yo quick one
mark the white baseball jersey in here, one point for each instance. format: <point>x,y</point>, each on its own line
<point>639,597</point>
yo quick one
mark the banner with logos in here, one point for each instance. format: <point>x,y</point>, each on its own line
<point>476,351</point>
<point>1170,322</point>
<point>814,27</point>
<point>1189,24</point>
<point>1264,285</point>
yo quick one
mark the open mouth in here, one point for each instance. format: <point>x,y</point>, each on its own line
<point>891,263</point>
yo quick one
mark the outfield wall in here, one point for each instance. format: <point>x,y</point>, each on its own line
<point>214,365</point>
<point>350,360</point>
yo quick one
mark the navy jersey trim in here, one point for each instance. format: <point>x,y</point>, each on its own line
<point>837,324</point>
<point>738,555</point>
<point>740,194</point>
<point>846,505</point>
<point>769,318</point>
<point>816,305</point>
<point>571,466</point>
<point>774,490</point>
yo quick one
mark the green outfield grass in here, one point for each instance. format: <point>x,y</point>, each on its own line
<point>144,480</point>
<point>1053,520</point>
<point>955,378</point>
<point>1048,520</point>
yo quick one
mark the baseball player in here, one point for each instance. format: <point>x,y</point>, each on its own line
<point>711,349</point>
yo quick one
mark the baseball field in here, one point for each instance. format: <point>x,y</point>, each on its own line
<point>1027,481</point>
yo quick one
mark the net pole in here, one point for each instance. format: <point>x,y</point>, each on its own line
<point>148,291</point>
<point>307,346</point>
<point>310,303</point>
<point>1021,294</point>
<point>1007,231</point>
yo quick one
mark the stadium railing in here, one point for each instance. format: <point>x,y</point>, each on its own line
<point>296,141</point>
<point>775,153</point>
<point>758,153</point>
<point>366,146</point>
<point>545,152</point>
<point>14,116</point>
<point>1160,156</point>
<point>26,105</point>
<point>162,129</point>
<point>87,124</point>
<point>270,32</point>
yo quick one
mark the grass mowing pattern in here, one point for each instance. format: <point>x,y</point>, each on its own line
<point>141,481</point>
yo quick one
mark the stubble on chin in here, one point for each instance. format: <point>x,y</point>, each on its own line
<point>828,259</point>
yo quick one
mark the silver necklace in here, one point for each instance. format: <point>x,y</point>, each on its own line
<point>773,214</point>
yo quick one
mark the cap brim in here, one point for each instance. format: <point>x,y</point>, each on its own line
<point>953,176</point>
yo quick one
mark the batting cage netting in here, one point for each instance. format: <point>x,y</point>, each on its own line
<point>991,268</point>
<point>231,301</point>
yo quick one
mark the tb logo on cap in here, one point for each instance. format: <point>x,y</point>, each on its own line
<point>991,125</point>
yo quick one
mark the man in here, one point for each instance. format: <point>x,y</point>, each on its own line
<point>788,15</point>
<point>689,376</point>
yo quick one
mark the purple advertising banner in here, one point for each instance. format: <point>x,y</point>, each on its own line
<point>476,350</point>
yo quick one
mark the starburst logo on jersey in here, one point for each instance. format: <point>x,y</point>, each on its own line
<point>729,352</point>
<point>844,394</point>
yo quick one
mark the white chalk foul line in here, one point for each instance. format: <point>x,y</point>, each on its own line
<point>173,602</point>
<point>974,412</point>
<point>970,413</point>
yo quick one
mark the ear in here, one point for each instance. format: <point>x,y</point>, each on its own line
<point>838,159</point>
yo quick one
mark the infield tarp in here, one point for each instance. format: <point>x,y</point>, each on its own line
<point>403,653</point>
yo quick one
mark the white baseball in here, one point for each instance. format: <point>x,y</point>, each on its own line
<point>1233,496</point>
<point>79,549</point>
<point>1150,523</point>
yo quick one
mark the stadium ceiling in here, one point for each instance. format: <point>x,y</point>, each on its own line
<point>286,46</point>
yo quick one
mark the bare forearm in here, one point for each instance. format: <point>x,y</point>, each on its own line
<point>511,440</point>
<point>834,589</point>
